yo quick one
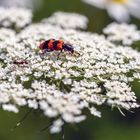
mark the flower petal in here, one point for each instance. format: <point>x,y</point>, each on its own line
<point>98,3</point>
<point>134,8</point>
<point>118,12</point>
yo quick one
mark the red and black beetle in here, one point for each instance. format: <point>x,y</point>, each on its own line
<point>56,45</point>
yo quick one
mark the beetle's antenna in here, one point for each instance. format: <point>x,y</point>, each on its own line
<point>24,117</point>
<point>59,54</point>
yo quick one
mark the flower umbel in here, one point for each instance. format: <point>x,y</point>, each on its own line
<point>10,18</point>
<point>125,34</point>
<point>20,3</point>
<point>63,87</point>
<point>68,20</point>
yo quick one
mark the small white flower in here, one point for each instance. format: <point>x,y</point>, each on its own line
<point>79,119</point>
<point>10,107</point>
<point>56,127</point>
<point>120,10</point>
<point>68,117</point>
<point>95,112</point>
<point>50,112</point>
<point>23,78</point>
<point>33,104</point>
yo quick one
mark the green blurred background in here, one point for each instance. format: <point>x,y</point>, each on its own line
<point>112,125</point>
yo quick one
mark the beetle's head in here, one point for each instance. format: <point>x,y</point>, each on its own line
<point>68,47</point>
<point>41,46</point>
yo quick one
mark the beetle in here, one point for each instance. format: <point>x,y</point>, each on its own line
<point>20,62</point>
<point>56,45</point>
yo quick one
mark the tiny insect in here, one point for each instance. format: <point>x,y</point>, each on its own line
<point>20,63</point>
<point>57,45</point>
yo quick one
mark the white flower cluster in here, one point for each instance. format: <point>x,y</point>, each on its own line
<point>6,34</point>
<point>20,3</point>
<point>122,33</point>
<point>16,18</point>
<point>63,87</point>
<point>68,20</point>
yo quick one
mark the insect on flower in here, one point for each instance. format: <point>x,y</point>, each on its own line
<point>20,63</point>
<point>57,45</point>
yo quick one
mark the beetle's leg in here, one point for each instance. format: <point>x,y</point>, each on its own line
<point>59,54</point>
<point>48,50</point>
<point>44,52</point>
